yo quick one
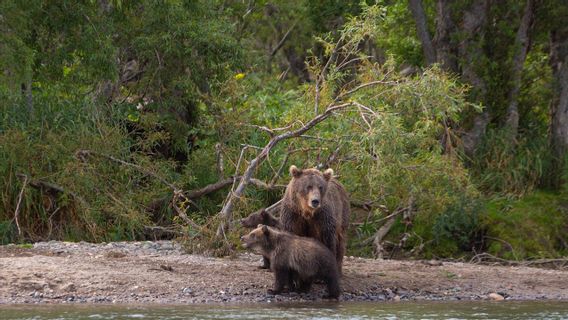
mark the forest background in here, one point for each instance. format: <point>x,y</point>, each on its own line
<point>446,121</point>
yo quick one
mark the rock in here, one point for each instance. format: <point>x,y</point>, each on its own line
<point>495,296</point>
<point>396,298</point>
<point>70,287</point>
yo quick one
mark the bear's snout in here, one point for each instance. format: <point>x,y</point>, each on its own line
<point>315,203</point>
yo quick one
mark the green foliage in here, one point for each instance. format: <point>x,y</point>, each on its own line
<point>93,198</point>
<point>173,86</point>
<point>459,224</point>
<point>505,168</point>
<point>534,226</point>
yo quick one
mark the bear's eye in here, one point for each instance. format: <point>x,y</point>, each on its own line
<point>310,188</point>
<point>321,189</point>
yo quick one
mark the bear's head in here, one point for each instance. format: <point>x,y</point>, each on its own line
<point>259,217</point>
<point>309,187</point>
<point>258,240</point>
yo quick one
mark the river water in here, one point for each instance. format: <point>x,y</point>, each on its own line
<point>320,311</point>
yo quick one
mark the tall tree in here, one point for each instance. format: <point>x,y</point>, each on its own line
<point>422,30</point>
<point>442,39</point>
<point>470,51</point>
<point>521,46</point>
<point>559,125</point>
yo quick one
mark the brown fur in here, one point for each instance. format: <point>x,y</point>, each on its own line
<point>316,205</point>
<point>294,258</point>
<point>261,217</point>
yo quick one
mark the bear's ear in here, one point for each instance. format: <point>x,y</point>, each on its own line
<point>327,174</point>
<point>263,213</point>
<point>295,172</point>
<point>265,230</point>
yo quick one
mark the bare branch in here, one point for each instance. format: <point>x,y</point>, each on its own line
<point>364,85</point>
<point>284,38</point>
<point>20,197</point>
<point>227,210</point>
<point>178,195</point>
<point>321,77</point>
<point>194,194</point>
<point>220,161</point>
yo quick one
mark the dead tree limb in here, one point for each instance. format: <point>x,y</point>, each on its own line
<point>20,197</point>
<point>40,184</point>
<point>216,186</point>
<point>380,234</point>
<point>227,210</point>
<point>220,161</point>
<point>284,38</point>
<point>385,228</point>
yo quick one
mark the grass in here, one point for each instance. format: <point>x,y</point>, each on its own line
<point>535,226</point>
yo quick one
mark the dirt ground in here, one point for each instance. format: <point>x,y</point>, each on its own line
<point>159,272</point>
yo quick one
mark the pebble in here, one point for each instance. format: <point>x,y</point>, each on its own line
<point>495,296</point>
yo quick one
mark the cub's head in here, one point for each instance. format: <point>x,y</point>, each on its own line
<point>259,217</point>
<point>258,240</point>
<point>309,187</point>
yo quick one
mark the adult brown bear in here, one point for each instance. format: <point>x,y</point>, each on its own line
<point>316,205</point>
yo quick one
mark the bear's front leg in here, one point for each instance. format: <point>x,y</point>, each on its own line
<point>265,263</point>
<point>281,279</point>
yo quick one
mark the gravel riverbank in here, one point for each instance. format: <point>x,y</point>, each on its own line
<point>160,272</point>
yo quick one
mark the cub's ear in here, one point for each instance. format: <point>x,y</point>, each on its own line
<point>265,230</point>
<point>327,174</point>
<point>295,172</point>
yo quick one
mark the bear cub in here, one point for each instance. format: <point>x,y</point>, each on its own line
<point>261,217</point>
<point>296,261</point>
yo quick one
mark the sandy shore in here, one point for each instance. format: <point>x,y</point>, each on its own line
<point>160,272</point>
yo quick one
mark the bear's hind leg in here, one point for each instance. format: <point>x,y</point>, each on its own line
<point>333,290</point>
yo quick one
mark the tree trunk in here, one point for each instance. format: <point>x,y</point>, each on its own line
<point>470,50</point>
<point>559,123</point>
<point>442,40</point>
<point>422,30</point>
<point>522,45</point>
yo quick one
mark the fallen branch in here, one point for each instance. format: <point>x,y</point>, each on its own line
<point>380,234</point>
<point>40,184</point>
<point>487,258</point>
<point>227,210</point>
<point>385,228</point>
<point>20,197</point>
<point>216,186</point>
